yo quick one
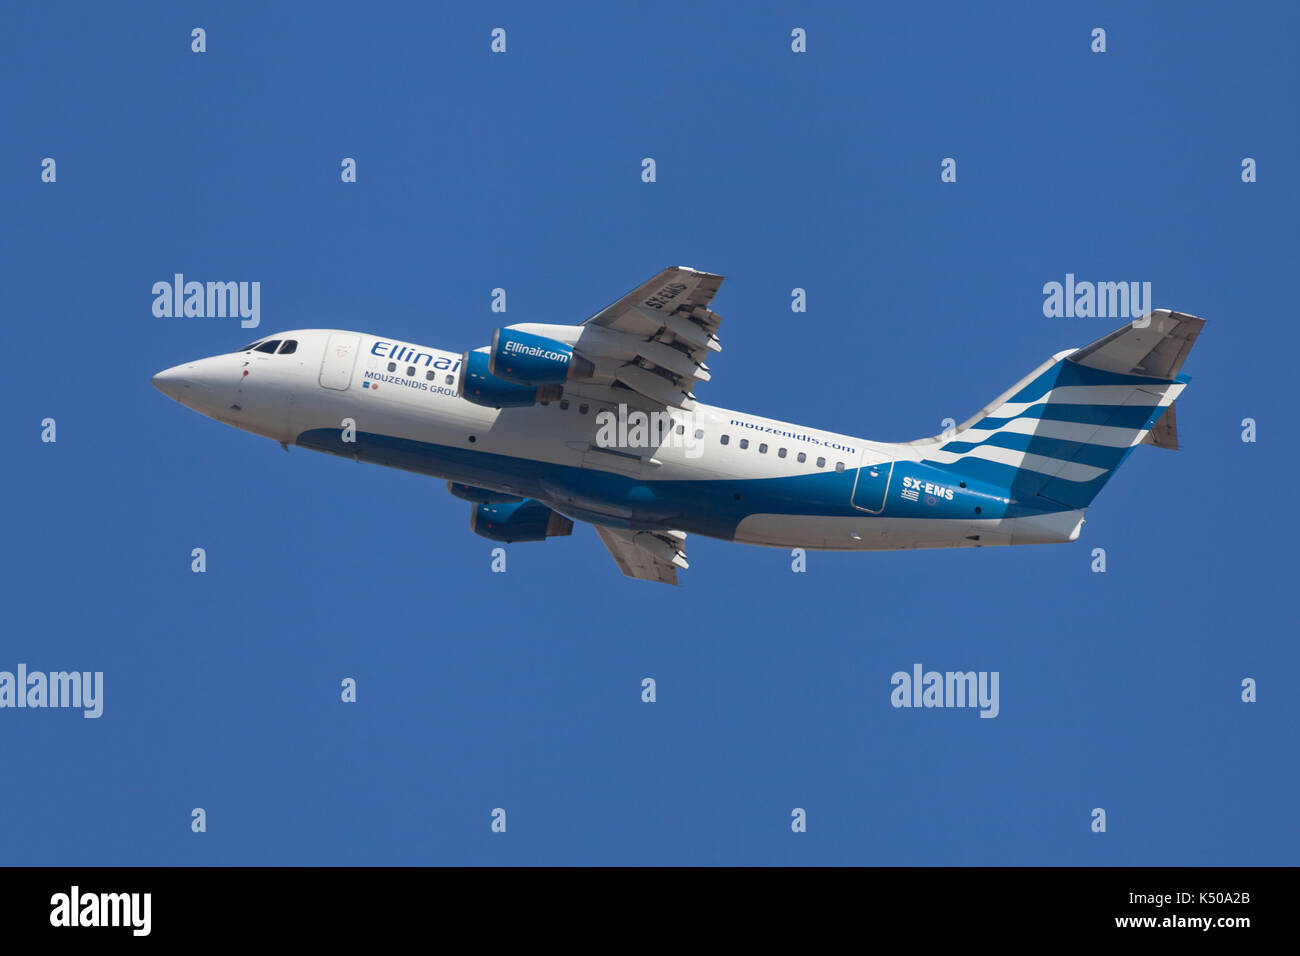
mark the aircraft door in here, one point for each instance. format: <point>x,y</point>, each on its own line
<point>874,471</point>
<point>340,357</point>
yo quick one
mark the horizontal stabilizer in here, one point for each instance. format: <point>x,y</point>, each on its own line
<point>1155,349</point>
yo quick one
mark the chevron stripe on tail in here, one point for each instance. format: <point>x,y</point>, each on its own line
<point>1060,433</point>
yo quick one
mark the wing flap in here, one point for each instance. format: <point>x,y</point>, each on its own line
<point>653,341</point>
<point>646,555</point>
<point>661,332</point>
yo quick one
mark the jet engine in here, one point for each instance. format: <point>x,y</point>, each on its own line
<point>525,520</point>
<point>478,385</point>
<point>527,359</point>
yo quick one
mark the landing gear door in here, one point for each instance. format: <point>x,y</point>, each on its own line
<point>872,483</point>
<point>340,357</point>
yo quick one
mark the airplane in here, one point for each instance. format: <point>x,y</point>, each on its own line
<point>599,423</point>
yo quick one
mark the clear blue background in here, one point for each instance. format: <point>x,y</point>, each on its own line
<point>522,690</point>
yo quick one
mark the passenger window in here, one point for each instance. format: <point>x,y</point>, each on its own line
<point>839,466</point>
<point>392,366</point>
<point>699,433</point>
<point>451,379</point>
<point>780,453</point>
<point>802,458</point>
<point>762,449</point>
<point>821,462</point>
<point>410,370</point>
<point>269,347</point>
<point>289,347</point>
<point>744,443</point>
<point>582,409</point>
<point>428,376</point>
<point>564,404</point>
<point>724,439</point>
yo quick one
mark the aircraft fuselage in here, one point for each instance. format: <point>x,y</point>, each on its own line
<point>712,471</point>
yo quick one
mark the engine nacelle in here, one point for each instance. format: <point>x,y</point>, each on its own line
<point>525,520</point>
<point>478,385</point>
<point>527,359</point>
<point>480,496</point>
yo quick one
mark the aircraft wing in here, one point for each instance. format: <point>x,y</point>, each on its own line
<point>655,339</point>
<point>646,555</point>
<point>652,342</point>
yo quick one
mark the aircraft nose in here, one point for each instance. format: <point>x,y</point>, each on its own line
<point>171,381</point>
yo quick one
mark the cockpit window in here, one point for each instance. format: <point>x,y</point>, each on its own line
<point>250,346</point>
<point>289,347</point>
<point>268,347</point>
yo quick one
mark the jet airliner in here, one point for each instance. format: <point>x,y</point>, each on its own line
<point>599,423</point>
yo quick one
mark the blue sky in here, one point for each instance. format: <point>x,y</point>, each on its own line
<point>522,690</point>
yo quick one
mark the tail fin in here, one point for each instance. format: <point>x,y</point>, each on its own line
<point>1059,433</point>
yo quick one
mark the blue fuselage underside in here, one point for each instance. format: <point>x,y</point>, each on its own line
<point>707,507</point>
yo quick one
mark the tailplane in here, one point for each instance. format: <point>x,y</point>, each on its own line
<point>1059,433</point>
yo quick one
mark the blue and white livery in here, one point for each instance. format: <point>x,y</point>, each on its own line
<point>599,423</point>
